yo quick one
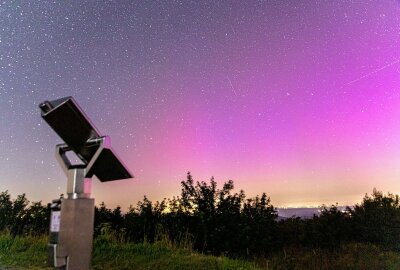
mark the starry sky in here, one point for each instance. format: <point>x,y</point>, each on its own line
<point>300,99</point>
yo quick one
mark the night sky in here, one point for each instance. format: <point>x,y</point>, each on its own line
<point>300,99</point>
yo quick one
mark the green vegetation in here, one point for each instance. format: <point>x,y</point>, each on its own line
<point>30,253</point>
<point>159,255</point>
<point>182,233</point>
<point>351,256</point>
<point>23,252</point>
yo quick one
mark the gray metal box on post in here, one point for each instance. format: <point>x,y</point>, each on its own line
<point>76,233</point>
<point>70,247</point>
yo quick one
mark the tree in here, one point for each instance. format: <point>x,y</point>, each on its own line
<point>259,225</point>
<point>18,217</point>
<point>330,229</point>
<point>377,219</point>
<point>102,215</point>
<point>6,210</point>
<point>37,218</point>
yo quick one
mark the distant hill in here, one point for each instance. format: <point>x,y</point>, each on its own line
<point>284,213</point>
<point>302,212</point>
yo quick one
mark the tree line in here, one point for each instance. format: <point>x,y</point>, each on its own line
<point>220,221</point>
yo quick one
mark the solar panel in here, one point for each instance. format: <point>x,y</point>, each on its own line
<point>70,122</point>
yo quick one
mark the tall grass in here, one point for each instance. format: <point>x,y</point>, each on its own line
<point>111,253</point>
<point>23,252</point>
<point>351,256</point>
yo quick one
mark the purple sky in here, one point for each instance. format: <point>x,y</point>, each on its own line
<point>300,99</point>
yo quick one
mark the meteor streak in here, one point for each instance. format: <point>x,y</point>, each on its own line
<point>230,82</point>
<point>374,71</point>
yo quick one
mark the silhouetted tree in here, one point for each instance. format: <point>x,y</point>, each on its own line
<point>259,225</point>
<point>330,228</point>
<point>18,220</point>
<point>102,215</point>
<point>377,220</point>
<point>6,210</point>
<point>221,221</point>
<point>228,233</point>
<point>37,219</point>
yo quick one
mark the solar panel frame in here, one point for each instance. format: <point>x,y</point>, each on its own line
<point>74,127</point>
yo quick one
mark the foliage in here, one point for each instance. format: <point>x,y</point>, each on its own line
<point>110,253</point>
<point>21,218</point>
<point>220,221</point>
<point>216,221</point>
<point>349,256</point>
<point>23,251</point>
<point>377,220</point>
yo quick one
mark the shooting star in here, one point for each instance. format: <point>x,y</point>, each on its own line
<point>374,71</point>
<point>233,30</point>
<point>230,82</point>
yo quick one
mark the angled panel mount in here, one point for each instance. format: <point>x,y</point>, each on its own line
<point>69,121</point>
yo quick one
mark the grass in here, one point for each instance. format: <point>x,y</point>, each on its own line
<point>23,252</point>
<point>30,253</point>
<point>351,256</point>
<point>110,253</point>
<point>113,254</point>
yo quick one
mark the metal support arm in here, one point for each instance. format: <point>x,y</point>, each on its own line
<point>79,185</point>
